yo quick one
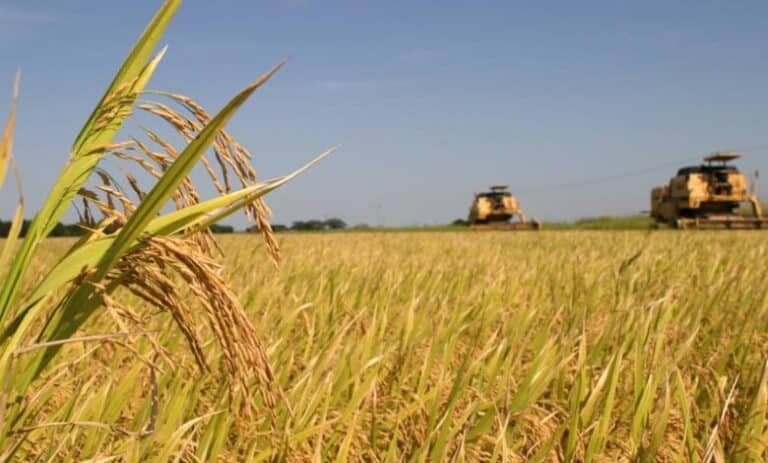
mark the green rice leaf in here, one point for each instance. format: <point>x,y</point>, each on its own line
<point>13,235</point>
<point>131,69</point>
<point>6,144</point>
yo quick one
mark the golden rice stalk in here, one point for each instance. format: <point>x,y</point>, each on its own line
<point>231,157</point>
<point>148,273</point>
<point>154,156</point>
<point>229,160</point>
<point>152,270</point>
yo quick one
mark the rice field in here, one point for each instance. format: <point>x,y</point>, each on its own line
<point>448,346</point>
<point>148,339</point>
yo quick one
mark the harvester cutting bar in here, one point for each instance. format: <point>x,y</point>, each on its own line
<point>723,223</point>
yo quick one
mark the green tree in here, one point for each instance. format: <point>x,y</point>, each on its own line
<point>335,223</point>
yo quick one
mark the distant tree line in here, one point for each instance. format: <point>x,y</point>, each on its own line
<point>73,229</point>
<point>334,223</point>
<point>216,228</point>
<point>59,230</point>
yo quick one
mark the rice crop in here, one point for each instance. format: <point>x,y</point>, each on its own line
<point>555,346</point>
<point>149,339</point>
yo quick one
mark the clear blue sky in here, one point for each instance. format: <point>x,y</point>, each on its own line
<point>430,100</point>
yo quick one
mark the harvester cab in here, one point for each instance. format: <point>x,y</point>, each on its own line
<point>707,196</point>
<point>497,209</point>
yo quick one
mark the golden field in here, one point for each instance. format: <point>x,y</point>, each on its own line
<point>145,341</point>
<point>436,346</point>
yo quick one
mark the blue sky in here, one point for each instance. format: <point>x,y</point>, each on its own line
<point>431,101</point>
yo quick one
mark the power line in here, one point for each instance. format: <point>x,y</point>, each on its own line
<point>606,178</point>
<point>626,174</point>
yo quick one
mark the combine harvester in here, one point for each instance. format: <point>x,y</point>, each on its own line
<point>495,209</point>
<point>708,196</point>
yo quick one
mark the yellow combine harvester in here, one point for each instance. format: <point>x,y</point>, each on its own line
<point>707,196</point>
<point>495,209</point>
